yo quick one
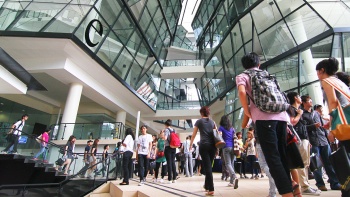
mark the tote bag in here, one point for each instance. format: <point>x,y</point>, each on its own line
<point>340,116</point>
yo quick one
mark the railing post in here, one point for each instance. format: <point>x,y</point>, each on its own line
<point>64,131</point>
<point>81,133</point>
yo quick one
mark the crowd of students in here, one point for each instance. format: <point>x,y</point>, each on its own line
<point>265,144</point>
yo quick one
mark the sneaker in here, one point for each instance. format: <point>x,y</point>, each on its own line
<point>262,176</point>
<point>15,153</point>
<point>252,177</point>
<point>256,177</point>
<point>35,159</point>
<point>230,185</point>
<point>323,188</point>
<point>312,192</point>
<point>174,181</point>
<point>161,181</point>
<point>3,152</point>
<point>169,182</point>
<point>155,180</point>
<point>141,183</point>
<point>236,184</point>
<point>45,161</point>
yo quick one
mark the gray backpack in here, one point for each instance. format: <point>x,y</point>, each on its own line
<point>266,93</point>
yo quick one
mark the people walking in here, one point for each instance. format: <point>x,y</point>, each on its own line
<point>128,144</point>
<point>144,147</point>
<point>15,132</point>
<point>43,146</point>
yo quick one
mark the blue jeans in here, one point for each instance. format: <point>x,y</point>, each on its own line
<point>263,166</point>
<point>143,166</point>
<point>272,137</point>
<point>324,152</point>
<point>229,158</point>
<point>188,164</point>
<point>41,151</point>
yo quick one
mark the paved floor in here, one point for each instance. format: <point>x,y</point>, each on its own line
<point>193,186</point>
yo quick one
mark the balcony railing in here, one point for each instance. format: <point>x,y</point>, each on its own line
<point>183,63</point>
<point>105,130</point>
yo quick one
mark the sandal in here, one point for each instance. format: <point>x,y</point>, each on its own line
<point>210,193</point>
<point>123,183</point>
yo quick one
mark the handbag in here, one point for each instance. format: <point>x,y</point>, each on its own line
<point>315,162</point>
<point>294,158</point>
<point>160,154</point>
<point>340,116</point>
<point>218,140</point>
<point>39,139</point>
<point>341,165</point>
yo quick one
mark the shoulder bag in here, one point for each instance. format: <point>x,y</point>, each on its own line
<point>340,116</point>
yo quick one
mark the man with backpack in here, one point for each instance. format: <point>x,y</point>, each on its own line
<point>170,143</point>
<point>264,103</point>
<point>15,132</point>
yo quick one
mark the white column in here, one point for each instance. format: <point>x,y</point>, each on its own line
<point>308,64</point>
<point>137,126</point>
<point>70,110</point>
<point>121,117</point>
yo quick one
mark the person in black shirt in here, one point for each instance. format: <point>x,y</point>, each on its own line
<point>296,119</point>
<point>320,146</point>
<point>86,159</point>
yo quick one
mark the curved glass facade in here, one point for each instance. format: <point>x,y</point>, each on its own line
<point>291,37</point>
<point>128,38</point>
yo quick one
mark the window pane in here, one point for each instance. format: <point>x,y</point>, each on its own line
<point>305,24</point>
<point>276,40</point>
<point>265,15</point>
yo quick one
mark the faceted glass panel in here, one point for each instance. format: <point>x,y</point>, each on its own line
<point>276,40</point>
<point>109,49</point>
<point>10,10</point>
<point>36,16</point>
<point>247,28</point>
<point>265,15</point>
<point>286,72</point>
<point>287,6</point>
<point>305,24</point>
<point>226,47</point>
<point>236,38</point>
<point>311,57</point>
<point>68,19</point>
<point>335,13</point>
<point>122,64</point>
<point>346,44</point>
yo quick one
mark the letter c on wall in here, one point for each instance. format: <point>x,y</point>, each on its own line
<point>98,30</point>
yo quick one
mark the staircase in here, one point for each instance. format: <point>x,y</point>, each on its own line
<point>19,169</point>
<point>22,175</point>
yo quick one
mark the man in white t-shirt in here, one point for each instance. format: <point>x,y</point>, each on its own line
<point>144,146</point>
<point>16,131</point>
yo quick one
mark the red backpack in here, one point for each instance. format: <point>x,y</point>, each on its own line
<point>174,141</point>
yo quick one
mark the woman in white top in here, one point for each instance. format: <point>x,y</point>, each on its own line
<point>128,144</point>
<point>251,154</point>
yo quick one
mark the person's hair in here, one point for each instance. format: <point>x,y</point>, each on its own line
<point>239,133</point>
<point>168,123</point>
<point>251,132</point>
<point>105,146</point>
<point>225,122</point>
<point>251,129</point>
<point>345,78</point>
<point>143,126</point>
<point>128,131</point>
<point>330,65</point>
<point>317,106</point>
<point>24,115</point>
<point>47,130</point>
<point>304,98</point>
<point>250,60</point>
<point>71,138</point>
<point>95,142</point>
<point>205,111</point>
<point>119,144</point>
<point>291,97</point>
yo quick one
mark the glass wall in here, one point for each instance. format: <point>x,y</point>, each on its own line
<point>291,37</point>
